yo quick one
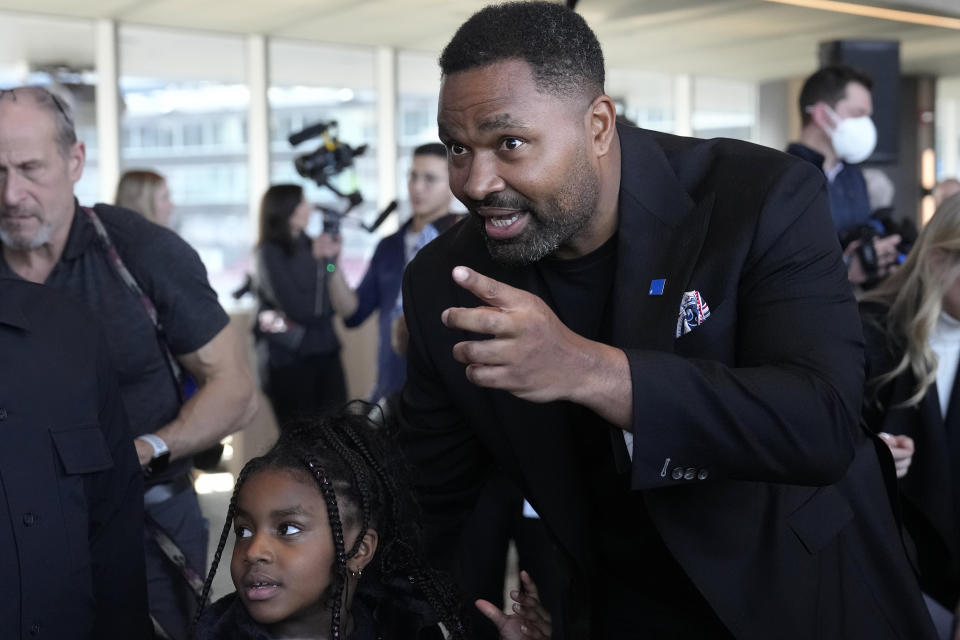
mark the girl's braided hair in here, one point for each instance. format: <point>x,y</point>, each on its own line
<point>361,478</point>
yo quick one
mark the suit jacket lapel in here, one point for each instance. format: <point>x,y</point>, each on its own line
<point>661,232</point>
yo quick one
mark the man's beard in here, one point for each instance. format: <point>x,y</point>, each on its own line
<point>20,242</point>
<point>561,218</point>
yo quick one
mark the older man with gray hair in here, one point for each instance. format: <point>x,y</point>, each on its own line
<point>149,291</point>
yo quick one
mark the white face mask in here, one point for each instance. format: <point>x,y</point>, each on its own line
<point>854,139</point>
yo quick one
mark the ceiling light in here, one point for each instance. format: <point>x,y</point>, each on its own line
<point>868,11</point>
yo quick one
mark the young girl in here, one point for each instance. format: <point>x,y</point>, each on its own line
<point>326,548</point>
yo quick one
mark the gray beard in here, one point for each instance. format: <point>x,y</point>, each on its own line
<point>19,243</point>
<point>537,242</point>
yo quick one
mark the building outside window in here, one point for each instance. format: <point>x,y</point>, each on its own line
<point>311,84</point>
<point>183,115</point>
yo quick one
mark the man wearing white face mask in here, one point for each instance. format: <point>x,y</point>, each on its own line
<point>837,134</point>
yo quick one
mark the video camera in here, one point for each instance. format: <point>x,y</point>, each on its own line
<point>880,225</point>
<point>325,162</point>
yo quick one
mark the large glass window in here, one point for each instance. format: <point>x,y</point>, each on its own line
<point>643,97</point>
<point>311,84</point>
<point>724,108</point>
<point>56,53</point>
<point>947,125</point>
<point>184,113</point>
<point>418,88</point>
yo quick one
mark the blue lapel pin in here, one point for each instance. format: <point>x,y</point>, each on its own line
<point>656,287</point>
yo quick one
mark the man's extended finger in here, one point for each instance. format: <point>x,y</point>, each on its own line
<point>487,289</point>
<point>487,320</point>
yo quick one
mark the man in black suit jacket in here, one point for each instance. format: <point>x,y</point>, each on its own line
<point>661,348</point>
<point>71,489</point>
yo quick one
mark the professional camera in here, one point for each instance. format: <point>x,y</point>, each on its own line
<point>325,162</point>
<point>329,159</point>
<point>880,225</point>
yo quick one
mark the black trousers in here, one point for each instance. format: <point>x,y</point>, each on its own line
<point>306,388</point>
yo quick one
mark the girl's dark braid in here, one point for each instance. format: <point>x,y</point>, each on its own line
<point>231,512</point>
<point>330,496</point>
<point>442,597</point>
<point>362,482</point>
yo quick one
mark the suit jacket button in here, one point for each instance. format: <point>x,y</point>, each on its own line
<point>690,474</point>
<point>703,475</point>
<point>677,473</point>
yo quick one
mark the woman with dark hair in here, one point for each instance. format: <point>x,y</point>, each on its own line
<point>911,325</point>
<point>303,373</point>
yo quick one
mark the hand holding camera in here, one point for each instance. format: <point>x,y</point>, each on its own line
<point>872,258</point>
<point>327,246</point>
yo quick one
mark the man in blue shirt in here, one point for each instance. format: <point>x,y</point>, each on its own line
<point>838,134</point>
<point>430,197</point>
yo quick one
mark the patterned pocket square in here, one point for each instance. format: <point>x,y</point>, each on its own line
<point>693,312</point>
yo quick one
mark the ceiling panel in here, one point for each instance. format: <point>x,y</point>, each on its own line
<point>744,39</point>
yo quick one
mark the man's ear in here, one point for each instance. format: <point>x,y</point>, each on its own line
<point>820,115</point>
<point>366,551</point>
<point>602,123</point>
<point>76,157</point>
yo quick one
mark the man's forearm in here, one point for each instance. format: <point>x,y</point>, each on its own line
<point>219,408</point>
<point>225,402</point>
<point>342,297</point>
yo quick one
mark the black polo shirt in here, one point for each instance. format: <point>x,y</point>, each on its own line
<point>170,273</point>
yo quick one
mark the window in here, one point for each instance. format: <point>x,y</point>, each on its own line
<point>724,108</point>
<point>643,97</point>
<point>32,49</point>
<point>181,93</point>
<point>313,84</point>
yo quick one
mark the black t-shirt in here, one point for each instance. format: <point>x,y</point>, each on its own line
<point>641,589</point>
<point>170,273</point>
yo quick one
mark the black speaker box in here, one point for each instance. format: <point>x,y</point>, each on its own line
<point>881,61</point>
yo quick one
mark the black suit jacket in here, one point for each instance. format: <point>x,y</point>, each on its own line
<point>71,489</point>
<point>930,488</point>
<point>747,450</point>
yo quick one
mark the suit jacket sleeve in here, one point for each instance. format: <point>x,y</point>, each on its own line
<point>116,522</point>
<point>783,409</point>
<point>449,461</point>
<point>368,293</point>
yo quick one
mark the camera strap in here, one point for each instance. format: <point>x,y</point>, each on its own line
<point>113,257</point>
<point>166,544</point>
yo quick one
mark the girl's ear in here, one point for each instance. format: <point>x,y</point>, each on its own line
<point>366,551</point>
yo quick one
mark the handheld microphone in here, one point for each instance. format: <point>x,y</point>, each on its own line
<point>312,131</point>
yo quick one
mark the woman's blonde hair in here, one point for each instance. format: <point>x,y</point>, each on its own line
<point>914,296</point>
<point>137,191</point>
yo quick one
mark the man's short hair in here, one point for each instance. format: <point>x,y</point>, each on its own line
<point>57,107</point>
<point>431,149</point>
<point>829,85</point>
<point>556,42</point>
